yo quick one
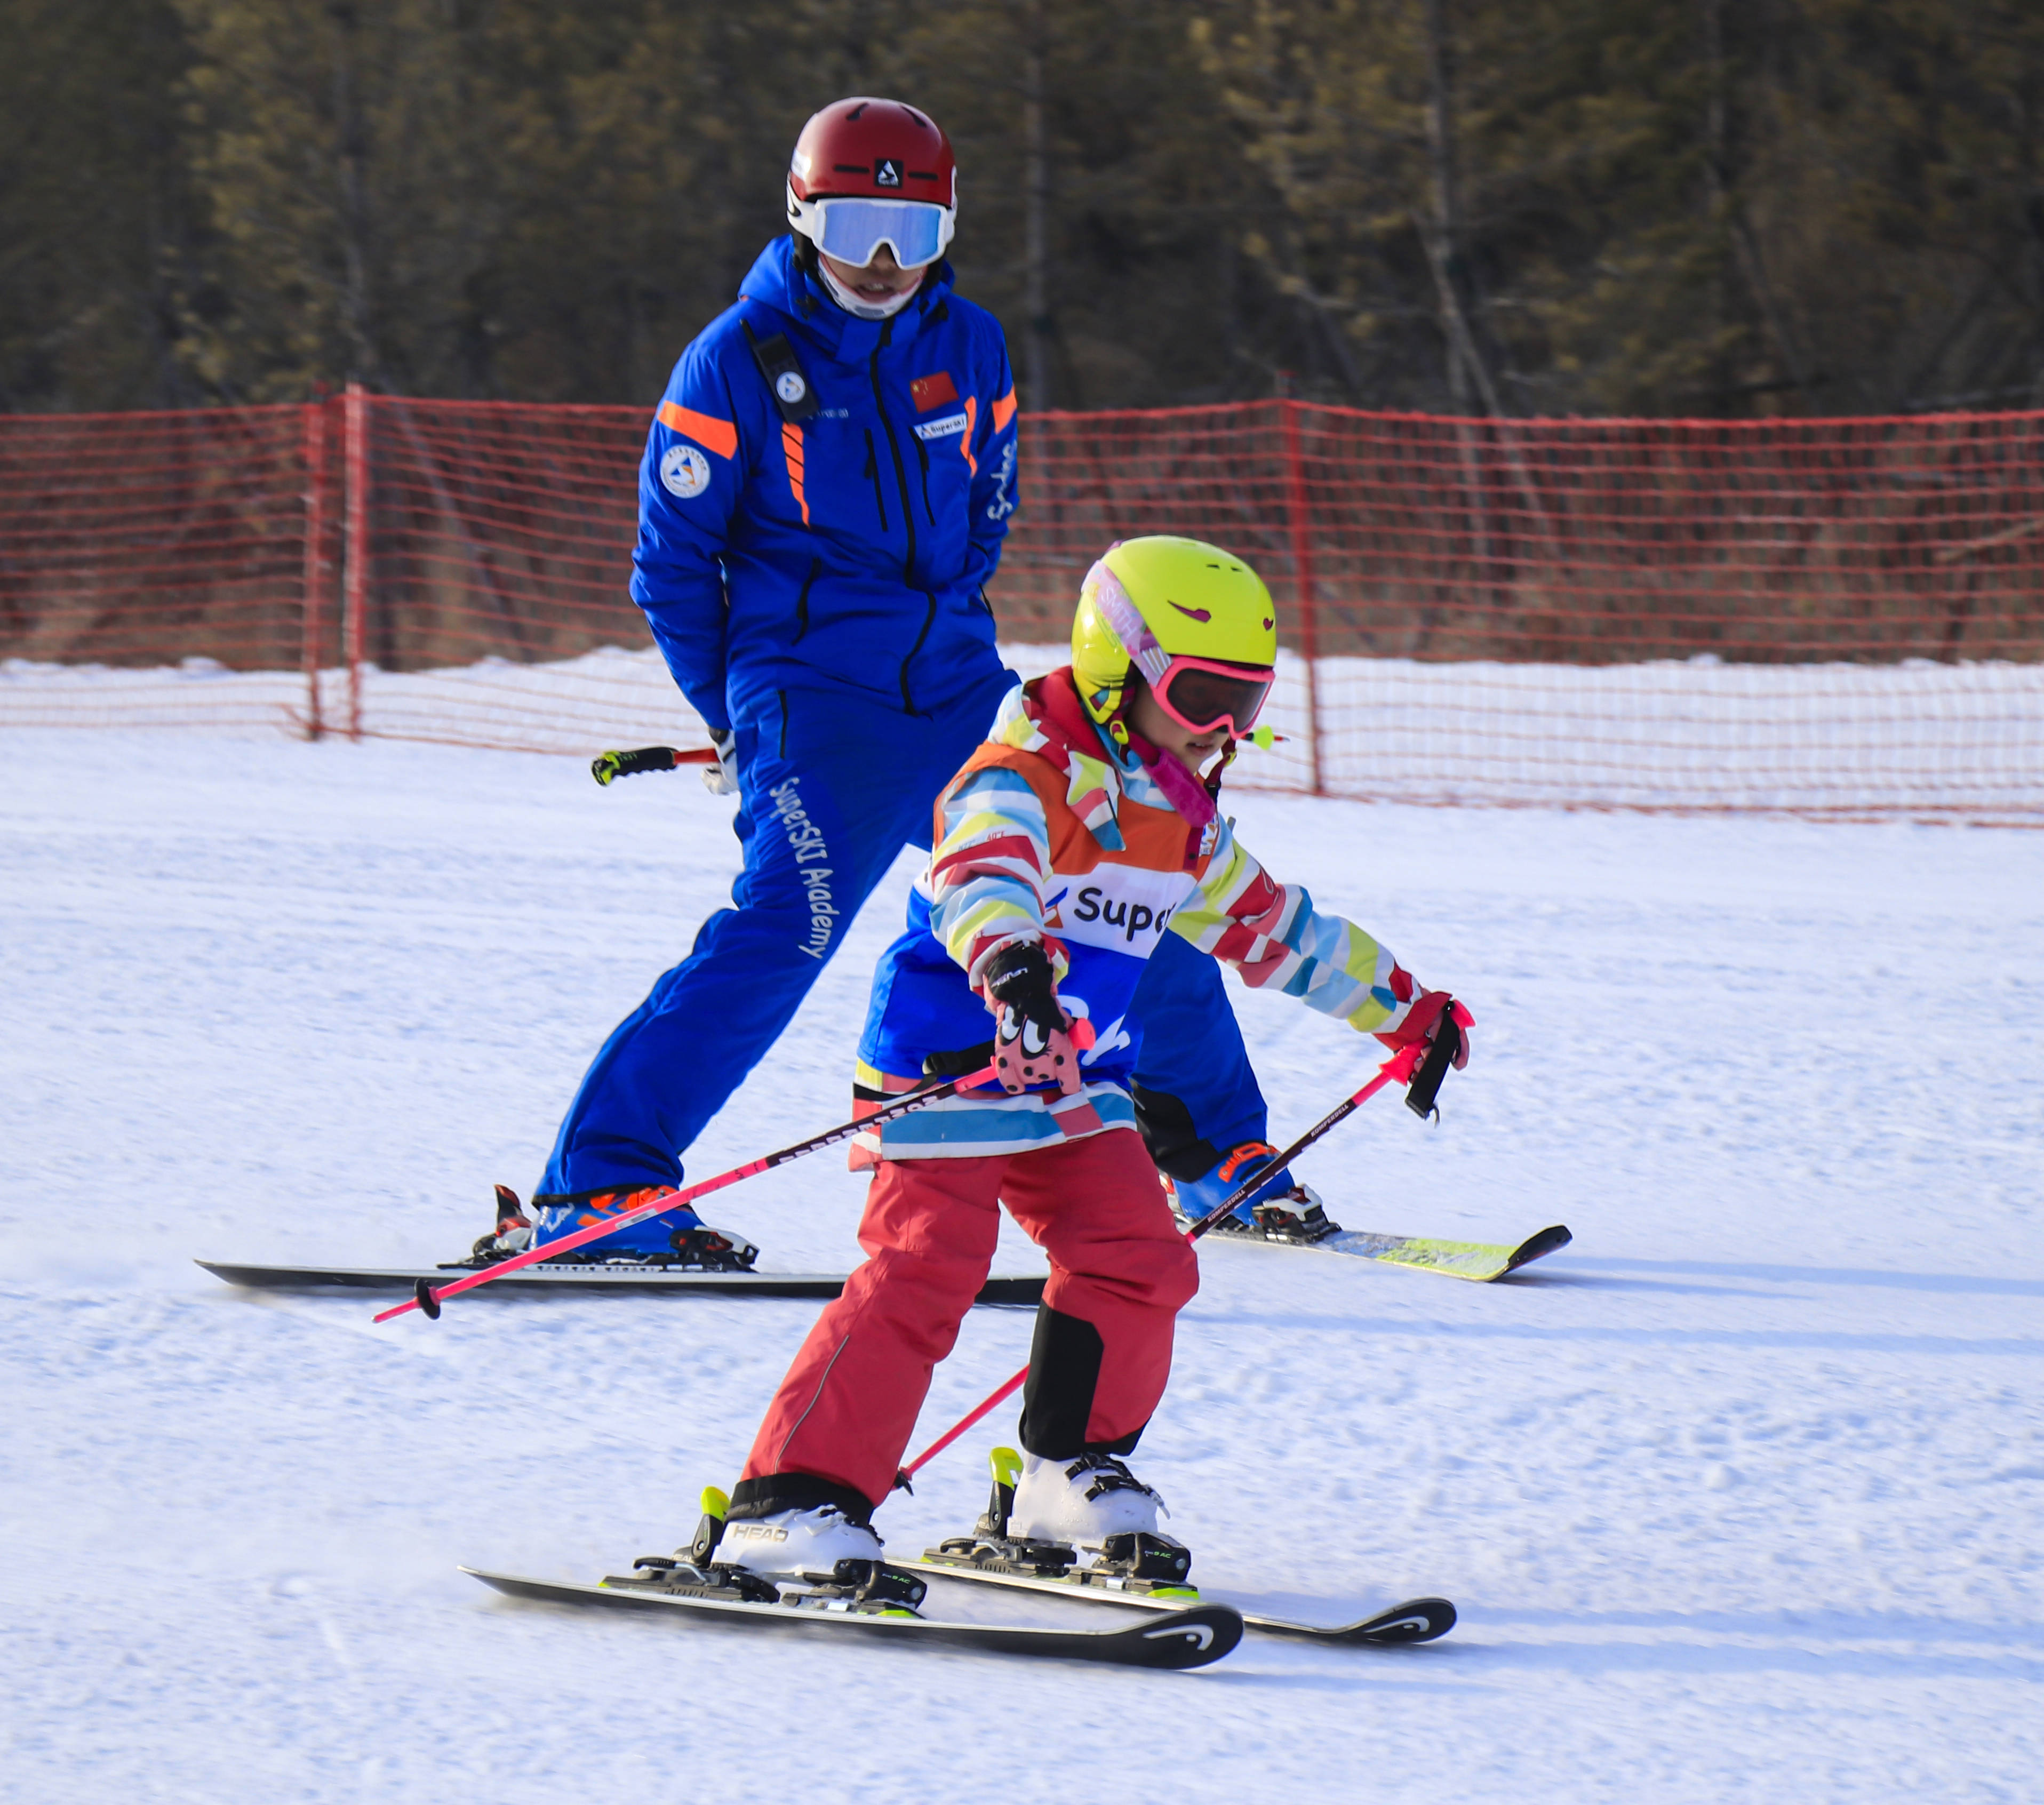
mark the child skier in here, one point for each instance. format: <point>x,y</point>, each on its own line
<point>1079,834</point>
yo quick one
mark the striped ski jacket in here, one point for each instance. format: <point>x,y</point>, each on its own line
<point>1050,833</point>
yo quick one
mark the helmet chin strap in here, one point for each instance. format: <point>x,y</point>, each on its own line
<point>854,305</point>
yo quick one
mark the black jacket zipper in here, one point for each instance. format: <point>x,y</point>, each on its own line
<point>802,601</point>
<point>901,469</point>
<point>873,476</point>
<point>923,453</point>
<point>929,621</point>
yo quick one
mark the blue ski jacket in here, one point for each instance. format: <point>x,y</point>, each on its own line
<point>851,549</point>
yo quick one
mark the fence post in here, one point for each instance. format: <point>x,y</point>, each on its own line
<point>315,498</point>
<point>355,426</point>
<point>1303,581</point>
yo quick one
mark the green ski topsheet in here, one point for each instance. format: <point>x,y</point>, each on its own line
<point>1480,1261</point>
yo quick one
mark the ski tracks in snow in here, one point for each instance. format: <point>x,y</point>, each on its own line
<point>1738,1495</point>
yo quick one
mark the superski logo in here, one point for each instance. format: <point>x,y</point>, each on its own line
<point>805,840</point>
<point>949,427</point>
<point>1131,918</point>
<point>1003,503</point>
<point>684,472</point>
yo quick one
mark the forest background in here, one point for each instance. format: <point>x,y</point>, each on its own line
<point>1725,207</point>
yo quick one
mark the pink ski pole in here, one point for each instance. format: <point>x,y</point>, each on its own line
<point>1399,1068</point>
<point>428,1297</point>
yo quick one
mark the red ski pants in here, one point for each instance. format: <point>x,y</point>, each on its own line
<point>1118,1262</point>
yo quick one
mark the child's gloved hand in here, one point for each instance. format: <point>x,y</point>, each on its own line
<point>1035,1042</point>
<point>1423,1020</point>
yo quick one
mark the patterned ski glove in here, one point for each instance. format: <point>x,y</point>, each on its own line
<point>1423,1020</point>
<point>1035,1042</point>
<point>721,778</point>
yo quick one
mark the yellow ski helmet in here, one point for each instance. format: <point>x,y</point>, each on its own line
<point>1194,620</point>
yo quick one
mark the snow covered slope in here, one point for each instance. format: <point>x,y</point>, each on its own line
<point>1740,1496</point>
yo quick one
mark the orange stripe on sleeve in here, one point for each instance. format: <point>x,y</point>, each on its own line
<point>1004,411</point>
<point>964,438</point>
<point>712,434</point>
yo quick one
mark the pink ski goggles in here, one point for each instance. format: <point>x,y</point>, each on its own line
<point>1202,693</point>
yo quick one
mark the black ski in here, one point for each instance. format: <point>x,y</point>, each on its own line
<point>1180,1638</point>
<point>1417,1620</point>
<point>585,1278</point>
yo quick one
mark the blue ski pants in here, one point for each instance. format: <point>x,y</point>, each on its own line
<point>832,787</point>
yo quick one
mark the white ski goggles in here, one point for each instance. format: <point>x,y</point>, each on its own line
<point>851,228</point>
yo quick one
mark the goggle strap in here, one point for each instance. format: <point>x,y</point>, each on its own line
<point>1129,626</point>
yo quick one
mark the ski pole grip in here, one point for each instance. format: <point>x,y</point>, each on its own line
<point>605,766</point>
<point>1426,1084</point>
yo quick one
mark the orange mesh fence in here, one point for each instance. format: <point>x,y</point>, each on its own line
<point>1835,617</point>
<point>145,556</point>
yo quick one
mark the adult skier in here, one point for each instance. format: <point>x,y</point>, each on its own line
<point>1078,841</point>
<point>825,491</point>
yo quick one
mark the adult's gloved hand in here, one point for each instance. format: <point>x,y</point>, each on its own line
<point>721,778</point>
<point>1035,1042</point>
<point>1423,1022</point>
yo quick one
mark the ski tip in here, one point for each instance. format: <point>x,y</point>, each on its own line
<point>1417,1620</point>
<point>1194,1637</point>
<point>1537,1247</point>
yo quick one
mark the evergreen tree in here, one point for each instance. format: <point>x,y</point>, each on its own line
<point>1554,206</point>
<point>96,227</point>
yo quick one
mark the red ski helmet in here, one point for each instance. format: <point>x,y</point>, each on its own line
<point>866,149</point>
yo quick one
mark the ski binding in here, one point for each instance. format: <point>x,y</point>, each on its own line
<point>1149,1572</point>
<point>874,1596</point>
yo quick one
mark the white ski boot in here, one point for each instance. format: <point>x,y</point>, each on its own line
<point>796,1545</point>
<point>812,1556</point>
<point>1087,1521</point>
<point>1081,1501</point>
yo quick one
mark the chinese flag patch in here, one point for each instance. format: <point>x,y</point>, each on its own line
<point>932,391</point>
